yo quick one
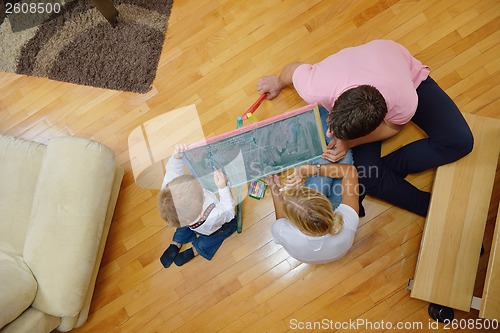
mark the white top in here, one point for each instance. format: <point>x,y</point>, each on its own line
<point>224,209</point>
<point>317,249</point>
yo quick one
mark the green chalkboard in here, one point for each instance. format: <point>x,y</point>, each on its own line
<point>259,149</point>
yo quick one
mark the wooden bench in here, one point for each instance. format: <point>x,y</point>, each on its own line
<point>454,228</point>
<point>490,305</point>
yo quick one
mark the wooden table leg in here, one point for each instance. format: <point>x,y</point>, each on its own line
<point>107,9</point>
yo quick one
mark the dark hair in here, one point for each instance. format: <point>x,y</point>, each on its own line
<point>357,112</point>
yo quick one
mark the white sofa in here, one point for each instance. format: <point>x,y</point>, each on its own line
<point>56,205</point>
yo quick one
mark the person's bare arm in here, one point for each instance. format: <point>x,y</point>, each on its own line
<point>272,85</point>
<point>351,189</point>
<point>286,77</point>
<point>350,186</point>
<point>274,183</point>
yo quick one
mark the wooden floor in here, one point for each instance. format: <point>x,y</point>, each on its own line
<point>214,53</point>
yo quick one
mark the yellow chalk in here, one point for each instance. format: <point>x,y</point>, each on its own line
<point>252,117</point>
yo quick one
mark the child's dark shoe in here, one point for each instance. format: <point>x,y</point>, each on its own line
<point>184,257</point>
<point>168,256</point>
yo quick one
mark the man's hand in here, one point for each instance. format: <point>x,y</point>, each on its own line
<point>336,150</point>
<point>179,150</point>
<point>272,85</point>
<point>220,179</point>
<point>269,85</point>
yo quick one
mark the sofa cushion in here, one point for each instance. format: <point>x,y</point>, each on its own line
<point>69,209</point>
<point>17,287</point>
<point>20,162</point>
<point>33,321</point>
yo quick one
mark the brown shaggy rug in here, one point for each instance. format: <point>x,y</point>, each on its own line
<point>78,45</point>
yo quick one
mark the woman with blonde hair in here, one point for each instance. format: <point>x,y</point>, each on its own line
<point>307,225</point>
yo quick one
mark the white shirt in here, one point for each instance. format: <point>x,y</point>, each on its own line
<point>224,209</point>
<point>317,249</point>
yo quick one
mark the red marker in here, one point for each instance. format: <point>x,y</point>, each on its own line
<point>254,106</point>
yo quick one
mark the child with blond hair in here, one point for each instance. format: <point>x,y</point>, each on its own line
<point>307,226</point>
<point>200,218</point>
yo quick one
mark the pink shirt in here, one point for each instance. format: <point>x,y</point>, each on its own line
<point>384,64</point>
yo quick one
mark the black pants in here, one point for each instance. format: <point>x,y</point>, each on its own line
<point>449,139</point>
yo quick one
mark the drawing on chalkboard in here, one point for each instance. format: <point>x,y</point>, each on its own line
<point>255,151</point>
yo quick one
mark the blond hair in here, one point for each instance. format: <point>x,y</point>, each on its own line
<point>181,201</point>
<point>311,211</point>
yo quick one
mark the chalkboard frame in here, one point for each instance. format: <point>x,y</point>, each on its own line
<point>203,157</point>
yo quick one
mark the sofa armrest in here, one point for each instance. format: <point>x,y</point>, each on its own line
<point>68,215</point>
<point>82,318</point>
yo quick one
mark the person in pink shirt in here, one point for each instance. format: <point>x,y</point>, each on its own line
<point>371,91</point>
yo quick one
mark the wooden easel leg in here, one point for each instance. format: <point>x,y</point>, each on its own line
<point>107,9</point>
<point>238,213</point>
<point>239,123</point>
